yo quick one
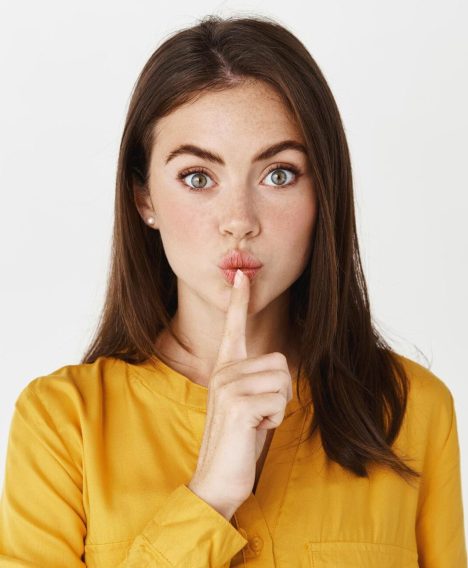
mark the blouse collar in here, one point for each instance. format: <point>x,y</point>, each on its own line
<point>165,380</point>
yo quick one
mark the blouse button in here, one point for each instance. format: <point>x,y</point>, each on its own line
<point>256,544</point>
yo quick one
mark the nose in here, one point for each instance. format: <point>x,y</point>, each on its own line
<point>238,215</point>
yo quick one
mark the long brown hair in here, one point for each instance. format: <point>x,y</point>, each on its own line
<point>360,387</point>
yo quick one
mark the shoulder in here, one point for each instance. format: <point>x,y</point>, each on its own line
<point>65,394</point>
<point>423,381</point>
<point>425,385</point>
<point>430,405</point>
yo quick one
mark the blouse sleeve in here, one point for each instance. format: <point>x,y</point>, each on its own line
<point>42,521</point>
<point>440,522</point>
<point>186,531</point>
<point>42,516</point>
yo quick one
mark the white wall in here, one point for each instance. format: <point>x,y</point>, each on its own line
<point>399,74</point>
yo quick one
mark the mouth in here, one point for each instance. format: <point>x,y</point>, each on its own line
<point>230,272</point>
<point>237,259</point>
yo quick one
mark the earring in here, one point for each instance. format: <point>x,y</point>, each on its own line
<point>150,220</point>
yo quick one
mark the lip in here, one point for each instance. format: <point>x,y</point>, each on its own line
<point>235,259</point>
<point>240,259</point>
<point>230,273</point>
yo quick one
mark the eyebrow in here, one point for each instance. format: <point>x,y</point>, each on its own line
<point>212,157</point>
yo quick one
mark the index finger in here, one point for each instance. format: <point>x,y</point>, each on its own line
<point>233,345</point>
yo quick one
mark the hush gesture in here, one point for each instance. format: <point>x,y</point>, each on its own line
<point>246,397</point>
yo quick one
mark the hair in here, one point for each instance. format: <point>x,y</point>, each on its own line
<point>359,387</point>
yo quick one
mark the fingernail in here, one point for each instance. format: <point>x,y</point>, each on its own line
<point>238,278</point>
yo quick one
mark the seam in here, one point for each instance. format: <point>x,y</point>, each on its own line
<point>83,517</point>
<point>119,542</point>
<point>389,545</point>
<point>185,405</point>
<point>154,552</point>
<point>200,409</point>
<point>39,426</point>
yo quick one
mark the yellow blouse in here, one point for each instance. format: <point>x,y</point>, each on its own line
<point>100,454</point>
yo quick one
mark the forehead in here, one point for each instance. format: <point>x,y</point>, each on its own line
<point>251,110</point>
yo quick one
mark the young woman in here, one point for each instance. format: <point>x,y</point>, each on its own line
<point>216,422</point>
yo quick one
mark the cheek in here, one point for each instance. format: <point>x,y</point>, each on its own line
<point>180,220</point>
<point>292,228</point>
<point>182,230</point>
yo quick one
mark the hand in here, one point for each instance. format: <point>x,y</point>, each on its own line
<point>246,397</point>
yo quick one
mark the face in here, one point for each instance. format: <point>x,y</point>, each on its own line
<point>204,209</point>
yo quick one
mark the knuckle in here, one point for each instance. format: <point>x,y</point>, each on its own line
<point>279,357</point>
<point>280,404</point>
<point>277,418</point>
<point>281,401</point>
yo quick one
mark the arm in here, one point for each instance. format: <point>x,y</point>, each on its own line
<point>440,521</point>
<point>42,521</point>
<point>42,517</point>
<point>186,531</point>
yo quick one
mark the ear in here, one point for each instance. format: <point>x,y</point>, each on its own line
<point>142,200</point>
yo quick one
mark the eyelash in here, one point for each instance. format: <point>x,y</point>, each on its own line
<point>202,170</point>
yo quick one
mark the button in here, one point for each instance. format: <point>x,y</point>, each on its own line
<point>256,544</point>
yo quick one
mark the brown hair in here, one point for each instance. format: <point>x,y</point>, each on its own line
<point>360,388</point>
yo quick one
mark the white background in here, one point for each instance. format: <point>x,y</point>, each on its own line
<point>399,74</point>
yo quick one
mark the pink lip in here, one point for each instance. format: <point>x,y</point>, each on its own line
<point>235,259</point>
<point>239,259</point>
<point>230,273</point>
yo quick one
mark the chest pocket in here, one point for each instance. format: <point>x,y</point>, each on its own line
<point>360,555</point>
<point>106,555</point>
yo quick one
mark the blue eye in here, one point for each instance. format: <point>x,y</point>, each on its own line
<point>203,173</point>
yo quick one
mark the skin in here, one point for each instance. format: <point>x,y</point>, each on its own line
<point>243,206</point>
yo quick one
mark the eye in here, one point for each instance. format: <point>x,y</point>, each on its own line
<point>280,180</point>
<point>280,177</point>
<point>199,178</point>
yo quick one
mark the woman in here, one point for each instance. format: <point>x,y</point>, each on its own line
<point>261,421</point>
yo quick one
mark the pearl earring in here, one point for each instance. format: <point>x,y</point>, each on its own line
<point>151,220</point>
